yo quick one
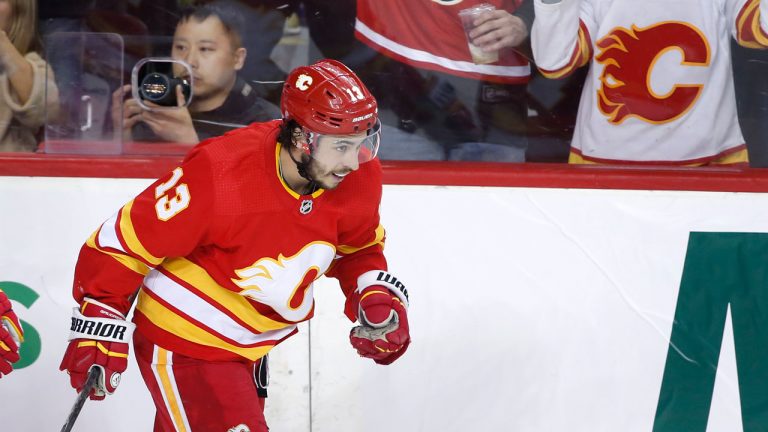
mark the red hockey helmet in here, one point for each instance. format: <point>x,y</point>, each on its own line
<point>328,98</point>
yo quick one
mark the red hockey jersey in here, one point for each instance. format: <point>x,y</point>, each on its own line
<point>223,253</point>
<point>428,34</point>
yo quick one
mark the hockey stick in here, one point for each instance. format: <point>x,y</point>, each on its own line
<point>93,377</point>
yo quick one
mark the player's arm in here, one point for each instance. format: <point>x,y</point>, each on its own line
<point>751,22</point>
<point>560,37</point>
<point>375,298</point>
<point>168,219</point>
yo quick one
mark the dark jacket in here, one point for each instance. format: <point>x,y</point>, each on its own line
<point>241,108</point>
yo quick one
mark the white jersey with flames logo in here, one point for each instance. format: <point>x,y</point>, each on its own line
<point>660,86</point>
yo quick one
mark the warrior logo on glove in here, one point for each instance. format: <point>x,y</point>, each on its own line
<point>99,338</point>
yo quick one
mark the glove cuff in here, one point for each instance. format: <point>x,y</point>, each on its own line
<point>104,329</point>
<point>17,333</point>
<point>97,309</point>
<point>382,278</point>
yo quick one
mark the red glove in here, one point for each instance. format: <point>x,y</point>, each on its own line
<point>11,335</point>
<point>99,338</point>
<point>383,334</point>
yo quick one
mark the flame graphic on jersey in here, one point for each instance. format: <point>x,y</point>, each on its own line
<point>283,283</point>
<point>629,57</point>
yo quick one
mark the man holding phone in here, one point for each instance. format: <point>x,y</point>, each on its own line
<point>208,38</point>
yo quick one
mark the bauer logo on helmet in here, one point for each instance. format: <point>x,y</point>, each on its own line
<point>361,118</point>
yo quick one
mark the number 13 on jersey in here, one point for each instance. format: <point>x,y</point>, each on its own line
<point>171,199</point>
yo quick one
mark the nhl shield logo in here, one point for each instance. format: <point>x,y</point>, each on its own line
<point>305,207</point>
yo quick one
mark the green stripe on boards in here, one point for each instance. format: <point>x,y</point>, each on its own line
<point>720,268</point>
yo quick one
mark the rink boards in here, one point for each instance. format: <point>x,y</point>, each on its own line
<point>532,309</point>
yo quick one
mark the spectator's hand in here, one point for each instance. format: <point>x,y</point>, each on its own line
<point>498,29</point>
<point>11,336</point>
<point>125,112</point>
<point>19,71</point>
<point>6,48</point>
<point>174,125</point>
<point>383,334</point>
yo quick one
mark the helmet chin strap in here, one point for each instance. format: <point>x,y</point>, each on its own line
<point>303,169</point>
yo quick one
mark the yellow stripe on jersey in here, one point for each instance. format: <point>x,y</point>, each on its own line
<point>345,249</point>
<point>734,158</point>
<point>131,239</point>
<point>128,261</point>
<point>279,171</point>
<point>586,46</point>
<point>760,35</point>
<point>196,276</point>
<point>581,56</point>
<point>749,21</point>
<point>175,324</point>
<point>168,389</point>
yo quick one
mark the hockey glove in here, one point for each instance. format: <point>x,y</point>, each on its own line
<point>383,334</point>
<point>11,335</point>
<point>99,338</point>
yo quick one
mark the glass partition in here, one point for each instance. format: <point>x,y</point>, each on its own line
<point>437,102</point>
<point>88,69</point>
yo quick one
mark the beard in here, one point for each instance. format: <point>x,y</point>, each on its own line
<point>319,174</point>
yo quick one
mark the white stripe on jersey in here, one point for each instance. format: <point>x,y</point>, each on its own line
<point>425,57</point>
<point>108,235</point>
<point>205,313</point>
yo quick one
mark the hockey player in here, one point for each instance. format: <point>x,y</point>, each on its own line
<point>660,87</point>
<point>11,336</point>
<point>225,249</point>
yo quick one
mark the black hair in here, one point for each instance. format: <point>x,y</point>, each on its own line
<point>287,138</point>
<point>232,21</point>
<point>287,130</point>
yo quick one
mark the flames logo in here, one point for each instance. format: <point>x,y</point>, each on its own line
<point>285,284</point>
<point>629,56</point>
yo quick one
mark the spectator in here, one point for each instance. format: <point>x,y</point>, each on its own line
<point>225,249</point>
<point>269,17</point>
<point>660,87</point>
<point>24,80</point>
<point>11,335</point>
<point>430,87</point>
<point>208,38</point>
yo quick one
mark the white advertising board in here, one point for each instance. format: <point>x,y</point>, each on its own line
<point>531,310</point>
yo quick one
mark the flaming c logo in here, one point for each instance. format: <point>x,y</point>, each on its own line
<point>285,283</point>
<point>629,57</point>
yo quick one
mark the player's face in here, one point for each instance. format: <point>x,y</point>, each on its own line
<point>334,157</point>
<point>209,50</point>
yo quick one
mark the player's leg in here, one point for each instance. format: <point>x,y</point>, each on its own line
<point>192,395</point>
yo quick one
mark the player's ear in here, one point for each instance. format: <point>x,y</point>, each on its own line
<point>299,139</point>
<point>240,55</point>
